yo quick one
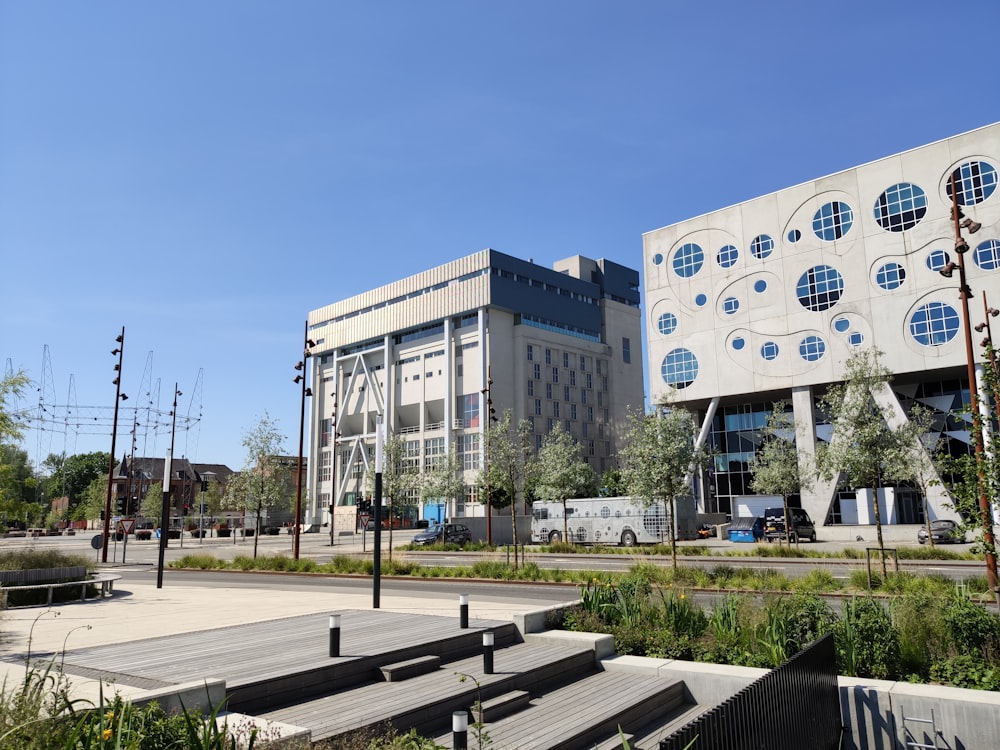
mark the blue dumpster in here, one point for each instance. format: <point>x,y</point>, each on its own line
<point>746,529</point>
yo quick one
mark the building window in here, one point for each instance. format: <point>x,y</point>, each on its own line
<point>583,363</point>
<point>900,207</point>
<point>890,276</point>
<point>987,255</point>
<point>820,288</point>
<point>555,409</point>
<point>688,260</point>
<point>572,412</point>
<point>583,397</point>
<point>769,351</point>
<point>468,451</point>
<point>665,324</point>
<point>326,433</point>
<point>572,377</point>
<point>730,305</point>
<point>626,350</point>
<point>411,455</point>
<point>566,360</point>
<point>548,356</point>
<point>590,380</point>
<point>727,257</point>
<point>538,407</point>
<point>468,409</point>
<point>531,387</point>
<point>555,374</point>
<point>976,181</point>
<point>762,246</point>
<point>536,370</point>
<point>548,390</point>
<point>679,368</point>
<point>937,259</point>
<point>585,430</point>
<point>833,221</point>
<point>433,452</point>
<point>325,466</point>
<point>759,286</point>
<point>531,352</point>
<point>934,324</point>
<point>590,413</point>
<point>812,348</point>
<point>794,236</point>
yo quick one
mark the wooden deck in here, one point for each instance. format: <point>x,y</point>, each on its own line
<point>266,664</point>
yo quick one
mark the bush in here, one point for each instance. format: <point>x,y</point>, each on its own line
<point>866,642</point>
<point>34,559</point>
<point>966,671</point>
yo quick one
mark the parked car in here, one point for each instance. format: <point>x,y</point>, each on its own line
<point>444,533</point>
<point>942,532</point>
<point>802,525</point>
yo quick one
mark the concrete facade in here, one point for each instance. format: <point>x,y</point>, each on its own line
<point>766,300</point>
<point>561,346</point>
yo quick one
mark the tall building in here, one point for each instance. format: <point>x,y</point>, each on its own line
<point>554,345</point>
<point>767,299</point>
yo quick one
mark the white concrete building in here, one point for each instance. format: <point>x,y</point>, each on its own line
<point>562,346</point>
<point>766,300</point>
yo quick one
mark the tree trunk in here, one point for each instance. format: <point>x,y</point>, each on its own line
<point>878,529</point>
<point>673,536</point>
<point>513,525</point>
<point>565,523</point>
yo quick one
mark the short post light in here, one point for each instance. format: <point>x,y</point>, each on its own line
<point>487,652</point>
<point>460,730</point>
<point>334,635</point>
<point>463,611</point>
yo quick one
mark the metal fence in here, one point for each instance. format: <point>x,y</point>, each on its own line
<point>792,707</point>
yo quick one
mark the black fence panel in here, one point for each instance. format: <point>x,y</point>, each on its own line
<point>792,707</point>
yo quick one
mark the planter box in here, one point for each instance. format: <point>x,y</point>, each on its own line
<point>223,533</point>
<point>248,532</point>
<point>143,535</point>
<point>35,576</point>
<point>272,530</point>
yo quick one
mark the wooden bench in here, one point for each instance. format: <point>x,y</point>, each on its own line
<point>404,670</point>
<point>502,705</point>
<point>105,580</point>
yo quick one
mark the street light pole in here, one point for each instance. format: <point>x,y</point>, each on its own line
<point>119,397</point>
<point>165,509</point>
<point>301,378</point>
<point>333,466</point>
<point>985,512</point>
<point>489,428</point>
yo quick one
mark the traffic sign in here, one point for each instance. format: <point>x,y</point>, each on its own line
<point>128,524</point>
<point>365,519</point>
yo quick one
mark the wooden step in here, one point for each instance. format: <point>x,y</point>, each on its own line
<point>502,705</point>
<point>404,670</point>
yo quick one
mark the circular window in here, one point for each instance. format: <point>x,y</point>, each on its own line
<point>605,511</point>
<point>900,207</point>
<point>657,259</point>
<point>987,255</point>
<point>794,236</point>
<point>833,221</point>
<point>688,260</point>
<point>841,325</point>
<point>856,339</point>
<point>730,305</point>
<point>727,256</point>
<point>820,288</point>
<point>934,324</point>
<point>700,300</point>
<point>975,180</point>
<point>667,323</point>
<point>812,348</point>
<point>654,521</point>
<point>937,259</point>
<point>738,343</point>
<point>679,368</point>
<point>762,246</point>
<point>890,276</point>
<point>759,286</point>
<point>769,351</point>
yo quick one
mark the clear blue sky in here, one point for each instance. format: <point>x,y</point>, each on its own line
<point>205,173</point>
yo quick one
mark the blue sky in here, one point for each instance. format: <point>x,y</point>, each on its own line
<point>205,173</point>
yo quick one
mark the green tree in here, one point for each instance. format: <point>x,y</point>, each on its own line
<point>562,473</point>
<point>90,502</point>
<point>510,465</point>
<point>920,460</point>
<point>865,450</point>
<point>612,484</point>
<point>775,466</point>
<point>261,484</point>
<point>12,387</point>
<point>658,458</point>
<point>18,486</point>
<point>71,475</point>
<point>443,480</point>
<point>400,479</point>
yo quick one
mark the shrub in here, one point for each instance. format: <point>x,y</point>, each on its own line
<point>973,629</point>
<point>966,672</point>
<point>816,581</point>
<point>33,559</point>
<point>201,562</point>
<point>923,634</point>
<point>867,644</point>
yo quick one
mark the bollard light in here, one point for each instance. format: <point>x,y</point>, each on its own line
<point>460,730</point>
<point>488,652</point>
<point>334,635</point>
<point>463,610</point>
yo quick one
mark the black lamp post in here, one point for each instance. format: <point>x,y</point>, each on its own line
<point>301,378</point>
<point>165,510</point>
<point>490,419</point>
<point>961,248</point>
<point>333,466</point>
<point>119,397</point>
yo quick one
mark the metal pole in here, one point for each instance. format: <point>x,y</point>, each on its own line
<point>300,378</point>
<point>334,635</point>
<point>488,652</point>
<point>333,469</point>
<point>377,554</point>
<point>120,351</point>
<point>463,611</point>
<point>986,520</point>
<point>164,517</point>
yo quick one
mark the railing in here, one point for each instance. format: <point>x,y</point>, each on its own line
<point>794,706</point>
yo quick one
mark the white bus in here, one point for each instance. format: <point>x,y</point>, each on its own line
<point>610,520</point>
